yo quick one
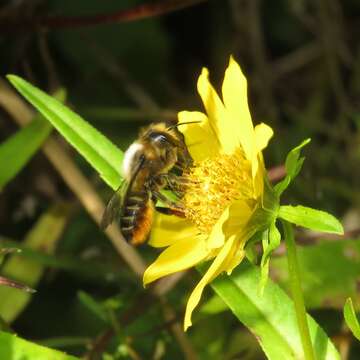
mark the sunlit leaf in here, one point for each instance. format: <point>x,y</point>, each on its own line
<point>100,152</point>
<point>14,348</point>
<point>311,218</point>
<point>351,318</point>
<point>270,317</point>
<point>21,146</point>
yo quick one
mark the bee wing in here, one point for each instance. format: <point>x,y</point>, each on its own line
<point>113,207</point>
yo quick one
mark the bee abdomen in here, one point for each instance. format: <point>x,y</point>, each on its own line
<point>136,199</point>
<point>136,218</point>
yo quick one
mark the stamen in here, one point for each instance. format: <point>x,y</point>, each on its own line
<point>214,184</point>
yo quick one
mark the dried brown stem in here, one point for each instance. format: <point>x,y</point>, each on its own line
<point>48,61</point>
<point>276,173</point>
<point>178,332</point>
<point>11,283</point>
<point>113,68</point>
<point>329,31</point>
<point>258,49</point>
<point>147,10</point>
<point>295,60</point>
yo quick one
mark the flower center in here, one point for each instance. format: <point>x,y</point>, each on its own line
<point>212,185</point>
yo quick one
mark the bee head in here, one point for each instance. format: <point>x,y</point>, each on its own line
<point>161,139</point>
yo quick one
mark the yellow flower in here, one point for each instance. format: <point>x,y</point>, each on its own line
<point>226,186</point>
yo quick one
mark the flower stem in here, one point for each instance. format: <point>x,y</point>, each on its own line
<point>295,284</point>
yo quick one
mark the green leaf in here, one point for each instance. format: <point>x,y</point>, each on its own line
<point>212,306</point>
<point>311,218</point>
<point>96,308</point>
<point>22,146</point>
<point>44,235</point>
<point>270,242</point>
<point>293,164</point>
<point>351,319</point>
<point>329,272</point>
<point>251,252</point>
<point>59,342</point>
<point>274,241</point>
<point>293,161</point>
<point>265,263</point>
<point>101,153</point>
<point>271,317</point>
<point>14,348</point>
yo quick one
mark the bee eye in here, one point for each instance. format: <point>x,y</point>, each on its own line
<point>159,138</point>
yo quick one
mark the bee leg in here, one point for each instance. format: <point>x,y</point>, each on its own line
<point>175,180</point>
<point>171,204</point>
<point>170,211</point>
<point>177,184</point>
<point>172,181</point>
<point>179,167</point>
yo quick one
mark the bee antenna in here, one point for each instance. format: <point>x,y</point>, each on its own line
<point>183,123</point>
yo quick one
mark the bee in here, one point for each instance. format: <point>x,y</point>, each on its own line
<point>153,162</point>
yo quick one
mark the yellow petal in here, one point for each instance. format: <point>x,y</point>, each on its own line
<point>214,270</point>
<point>239,216</point>
<point>240,213</point>
<point>258,181</point>
<point>168,229</point>
<point>217,236</point>
<point>181,255</point>
<point>200,138</point>
<point>236,258</point>
<point>263,133</point>
<point>237,253</point>
<point>218,117</point>
<point>234,91</point>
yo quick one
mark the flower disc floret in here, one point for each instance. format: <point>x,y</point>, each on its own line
<point>212,185</point>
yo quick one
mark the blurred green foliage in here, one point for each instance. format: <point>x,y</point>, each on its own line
<point>302,61</point>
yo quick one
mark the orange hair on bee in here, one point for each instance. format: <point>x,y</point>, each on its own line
<point>143,226</point>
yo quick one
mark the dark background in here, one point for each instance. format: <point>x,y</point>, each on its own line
<point>302,61</point>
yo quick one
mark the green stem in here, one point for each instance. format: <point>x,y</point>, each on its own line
<point>297,295</point>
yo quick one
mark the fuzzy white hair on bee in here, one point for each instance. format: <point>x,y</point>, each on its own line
<point>129,158</point>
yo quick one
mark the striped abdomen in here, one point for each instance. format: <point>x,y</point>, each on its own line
<point>136,217</point>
